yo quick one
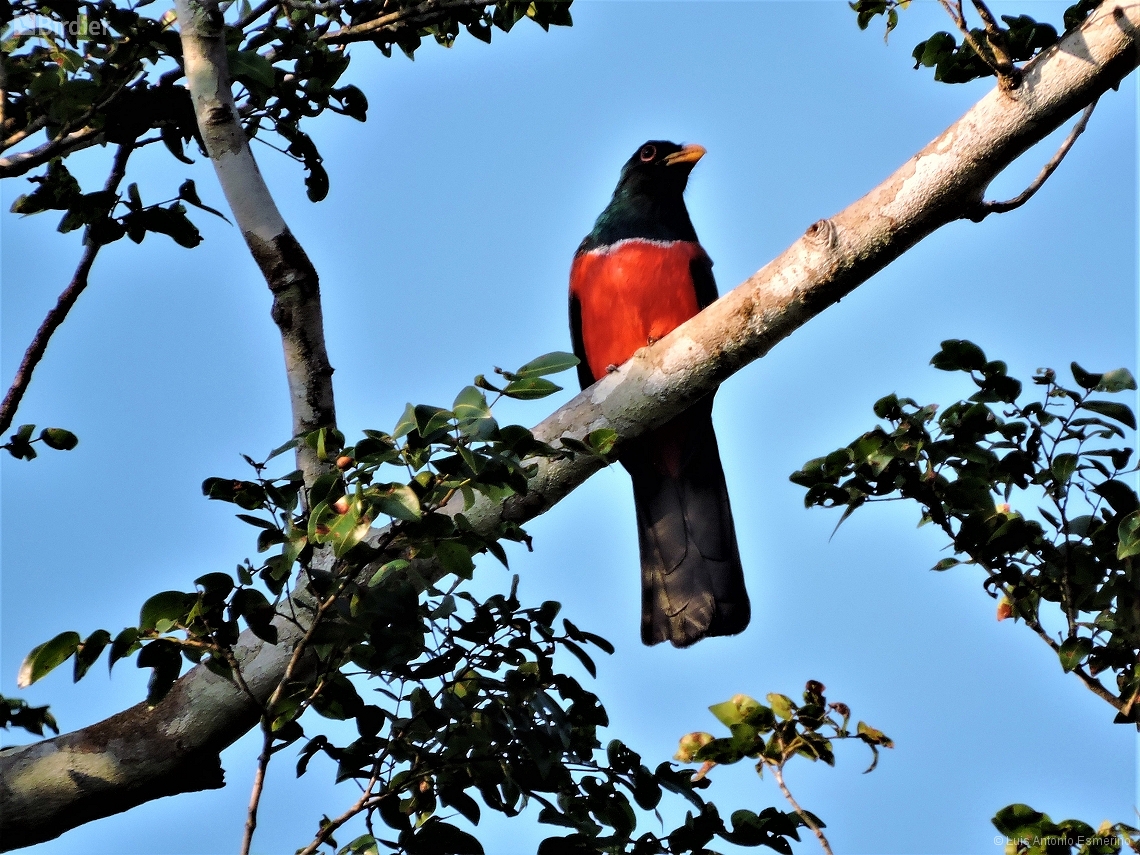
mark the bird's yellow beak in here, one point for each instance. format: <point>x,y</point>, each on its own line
<point>688,154</point>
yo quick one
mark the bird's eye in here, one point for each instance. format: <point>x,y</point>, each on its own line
<point>647,153</point>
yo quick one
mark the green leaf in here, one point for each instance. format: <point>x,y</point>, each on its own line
<point>873,736</point>
<point>1064,465</point>
<point>1112,410</point>
<point>473,414</point>
<point>59,439</point>
<point>470,403</point>
<point>251,604</point>
<point>727,713</point>
<point>353,102</point>
<point>400,502</point>
<point>1073,651</point>
<point>581,655</point>
<point>406,424</point>
<point>391,567</point>
<point>165,657</point>
<point>959,355</point>
<point>1012,820</point>
<point>188,193</point>
<point>248,65</point>
<point>530,388</point>
<point>45,657</point>
<point>1117,380</point>
<point>602,440</point>
<point>124,644</point>
<point>781,705</point>
<point>455,558</point>
<point>1119,495</point>
<point>281,449</point>
<point>439,838</point>
<point>89,651</point>
<point>1085,379</point>
<point>431,419</point>
<point>365,844</point>
<point>346,531</point>
<point>172,606</point>
<point>550,363</point>
<point>1128,533</point>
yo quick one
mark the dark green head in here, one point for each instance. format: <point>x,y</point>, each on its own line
<point>649,200</point>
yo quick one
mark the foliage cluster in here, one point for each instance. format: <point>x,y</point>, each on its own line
<point>1030,832</point>
<point>465,697</point>
<point>983,51</point>
<point>21,444</point>
<point>1036,494</point>
<point>81,74</point>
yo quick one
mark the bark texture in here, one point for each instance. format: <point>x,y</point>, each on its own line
<point>56,784</point>
<point>283,262</point>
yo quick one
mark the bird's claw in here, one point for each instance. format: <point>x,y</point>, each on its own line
<point>611,368</point>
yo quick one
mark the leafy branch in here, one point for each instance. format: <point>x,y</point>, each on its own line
<point>772,735</point>
<point>1066,530</point>
<point>988,50</point>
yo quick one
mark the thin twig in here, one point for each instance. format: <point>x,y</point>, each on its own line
<point>1092,683</point>
<point>255,13</point>
<point>332,825</point>
<point>235,668</point>
<point>1061,503</point>
<point>56,316</point>
<point>267,724</point>
<point>1009,75</point>
<point>404,17</point>
<point>310,6</point>
<point>25,161</point>
<point>37,124</point>
<point>779,776</point>
<point>3,96</point>
<point>987,208</point>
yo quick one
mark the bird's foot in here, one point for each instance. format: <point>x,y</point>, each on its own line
<point>652,340</point>
<point>611,368</point>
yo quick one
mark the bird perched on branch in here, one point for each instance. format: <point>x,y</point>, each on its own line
<point>638,275</point>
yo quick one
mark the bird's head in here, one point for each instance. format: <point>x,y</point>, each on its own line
<point>659,167</point>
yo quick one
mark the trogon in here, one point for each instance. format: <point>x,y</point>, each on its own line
<point>638,275</point>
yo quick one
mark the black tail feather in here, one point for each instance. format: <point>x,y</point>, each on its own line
<point>692,583</point>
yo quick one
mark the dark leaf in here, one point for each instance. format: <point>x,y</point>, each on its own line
<point>89,651</point>
<point>59,439</point>
<point>550,363</point>
<point>1112,410</point>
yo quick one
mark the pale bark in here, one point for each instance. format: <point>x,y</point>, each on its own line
<point>286,268</point>
<point>59,783</point>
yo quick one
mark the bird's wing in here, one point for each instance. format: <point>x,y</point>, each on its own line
<point>585,376</point>
<point>700,268</point>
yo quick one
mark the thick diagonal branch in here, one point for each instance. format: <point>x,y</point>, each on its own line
<point>286,268</point>
<point>942,183</point>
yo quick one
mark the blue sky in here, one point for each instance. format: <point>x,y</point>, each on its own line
<point>444,248</point>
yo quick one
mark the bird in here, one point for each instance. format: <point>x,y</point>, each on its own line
<point>639,274</point>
